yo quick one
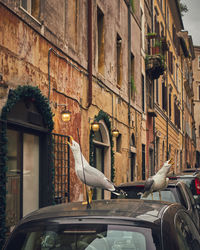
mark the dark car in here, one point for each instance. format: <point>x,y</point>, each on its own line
<point>118,224</point>
<point>191,177</point>
<point>176,191</point>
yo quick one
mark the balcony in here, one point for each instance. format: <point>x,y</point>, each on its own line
<point>155,59</point>
<point>155,66</point>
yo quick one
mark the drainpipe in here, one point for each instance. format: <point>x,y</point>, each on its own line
<point>49,77</point>
<point>154,137</point>
<point>129,78</point>
<point>89,53</point>
<point>167,155</point>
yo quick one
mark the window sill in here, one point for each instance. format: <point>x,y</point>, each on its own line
<point>32,17</point>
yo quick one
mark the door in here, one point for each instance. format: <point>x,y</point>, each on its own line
<point>22,175</point>
<point>99,164</point>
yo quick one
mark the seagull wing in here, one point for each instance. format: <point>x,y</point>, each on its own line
<point>148,187</point>
<point>95,178</point>
<point>148,184</point>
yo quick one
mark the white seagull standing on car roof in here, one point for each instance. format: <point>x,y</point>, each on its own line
<point>88,174</point>
<point>157,182</point>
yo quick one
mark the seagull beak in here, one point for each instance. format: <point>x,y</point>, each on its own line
<point>171,162</point>
<point>70,138</point>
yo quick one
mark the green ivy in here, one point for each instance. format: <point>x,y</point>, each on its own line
<point>41,102</point>
<point>132,5</point>
<point>103,116</point>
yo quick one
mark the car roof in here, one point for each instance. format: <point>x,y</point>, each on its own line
<point>131,209</point>
<point>142,183</point>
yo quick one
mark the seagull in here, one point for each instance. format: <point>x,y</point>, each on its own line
<point>88,174</point>
<point>157,182</point>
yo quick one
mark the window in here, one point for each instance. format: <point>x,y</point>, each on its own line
<point>199,91</point>
<point>170,61</point>
<point>167,17</point>
<point>151,163</point>
<point>157,91</point>
<point>177,76</point>
<point>119,61</point>
<point>164,96</point>
<point>143,94</point>
<point>157,152</point>
<point>161,5</point>
<point>132,76</point>
<point>198,62</point>
<point>163,152</point>
<point>118,143</point>
<point>176,115</point>
<point>100,34</point>
<point>133,156</point>
<point>32,7</point>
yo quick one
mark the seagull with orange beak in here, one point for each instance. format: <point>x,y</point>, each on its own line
<point>159,181</point>
<point>88,174</point>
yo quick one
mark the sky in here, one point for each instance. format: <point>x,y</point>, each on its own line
<point>191,20</point>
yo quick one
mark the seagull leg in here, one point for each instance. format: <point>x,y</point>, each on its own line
<point>152,196</point>
<point>160,195</point>
<point>89,193</point>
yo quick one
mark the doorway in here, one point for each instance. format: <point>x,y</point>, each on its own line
<point>22,175</point>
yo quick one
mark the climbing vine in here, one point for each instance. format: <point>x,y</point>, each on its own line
<point>41,102</point>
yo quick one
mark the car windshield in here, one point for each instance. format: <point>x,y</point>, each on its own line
<point>86,236</point>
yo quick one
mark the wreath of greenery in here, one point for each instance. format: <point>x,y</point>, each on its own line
<point>103,116</point>
<point>41,102</point>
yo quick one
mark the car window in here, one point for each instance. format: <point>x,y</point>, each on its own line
<point>87,237</point>
<point>182,196</point>
<point>133,192</point>
<point>166,195</point>
<point>186,232</point>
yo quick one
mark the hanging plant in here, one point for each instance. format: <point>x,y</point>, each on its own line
<point>133,87</point>
<point>33,93</point>
<point>41,102</point>
<point>103,116</point>
<point>132,5</point>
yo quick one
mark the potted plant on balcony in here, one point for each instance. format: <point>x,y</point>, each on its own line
<point>151,35</point>
<point>156,47</point>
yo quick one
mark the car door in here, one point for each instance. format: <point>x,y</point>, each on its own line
<point>194,209</point>
<point>186,232</point>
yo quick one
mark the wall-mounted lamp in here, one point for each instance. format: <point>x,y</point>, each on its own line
<point>94,125</point>
<point>115,132</point>
<point>65,114</point>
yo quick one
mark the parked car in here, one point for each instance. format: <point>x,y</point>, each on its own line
<point>176,191</point>
<point>108,224</point>
<point>191,177</point>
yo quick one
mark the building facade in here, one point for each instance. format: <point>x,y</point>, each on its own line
<point>97,60</point>
<point>81,56</point>
<point>196,71</point>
